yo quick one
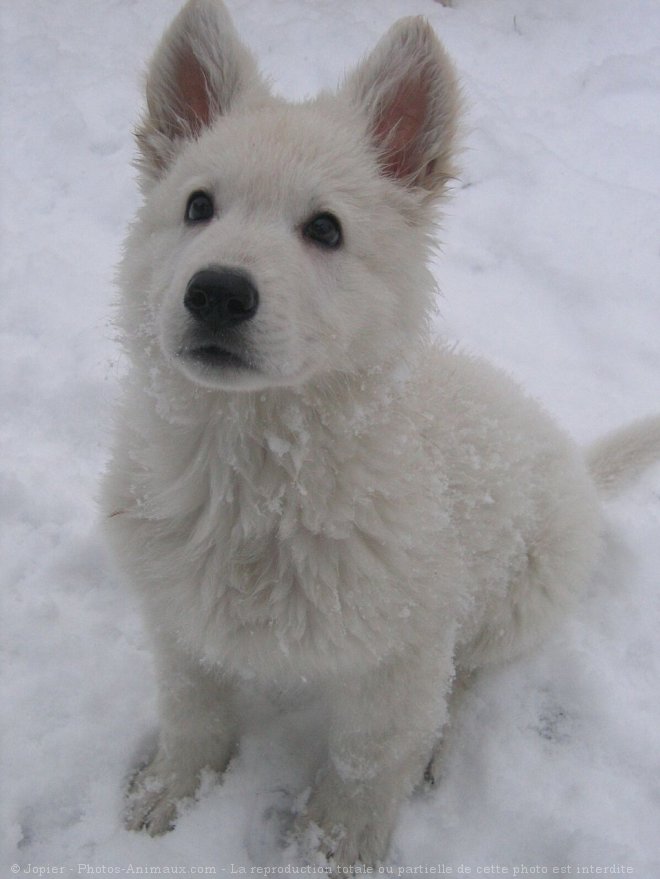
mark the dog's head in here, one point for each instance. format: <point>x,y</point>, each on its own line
<point>281,242</point>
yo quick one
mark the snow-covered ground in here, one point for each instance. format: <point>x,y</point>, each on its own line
<point>550,268</point>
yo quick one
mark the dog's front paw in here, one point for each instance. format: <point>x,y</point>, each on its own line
<point>153,797</point>
<point>345,827</point>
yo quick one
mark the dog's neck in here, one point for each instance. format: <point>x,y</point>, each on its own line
<point>221,443</point>
<point>341,402</point>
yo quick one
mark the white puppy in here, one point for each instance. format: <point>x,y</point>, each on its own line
<point>306,491</point>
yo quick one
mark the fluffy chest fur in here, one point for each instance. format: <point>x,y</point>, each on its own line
<point>282,535</point>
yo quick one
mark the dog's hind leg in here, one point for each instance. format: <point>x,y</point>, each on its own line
<point>198,731</point>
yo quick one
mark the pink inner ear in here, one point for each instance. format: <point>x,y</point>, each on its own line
<point>192,89</point>
<point>399,129</point>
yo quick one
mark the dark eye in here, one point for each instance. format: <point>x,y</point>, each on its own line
<point>325,230</point>
<point>199,207</point>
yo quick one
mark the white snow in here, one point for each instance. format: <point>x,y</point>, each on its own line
<point>549,267</point>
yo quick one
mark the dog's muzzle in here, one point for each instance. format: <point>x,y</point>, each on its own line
<point>220,300</point>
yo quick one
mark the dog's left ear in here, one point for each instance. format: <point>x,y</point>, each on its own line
<point>407,90</point>
<point>200,71</point>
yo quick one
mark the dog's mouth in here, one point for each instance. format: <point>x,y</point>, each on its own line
<point>216,356</point>
<point>220,360</point>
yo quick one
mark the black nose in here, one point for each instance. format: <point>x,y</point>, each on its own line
<point>220,298</point>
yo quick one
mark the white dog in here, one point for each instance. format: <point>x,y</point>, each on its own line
<point>305,491</point>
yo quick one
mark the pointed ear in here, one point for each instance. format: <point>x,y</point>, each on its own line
<point>408,93</point>
<point>198,72</point>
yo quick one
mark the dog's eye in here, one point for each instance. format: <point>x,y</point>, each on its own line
<point>199,207</point>
<point>324,229</point>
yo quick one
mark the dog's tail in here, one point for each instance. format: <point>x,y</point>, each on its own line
<point>618,458</point>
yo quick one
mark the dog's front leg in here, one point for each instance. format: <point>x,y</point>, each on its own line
<point>383,729</point>
<point>198,730</point>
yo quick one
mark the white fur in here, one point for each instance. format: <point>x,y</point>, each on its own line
<point>361,513</point>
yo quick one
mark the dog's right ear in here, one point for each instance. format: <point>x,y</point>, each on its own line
<point>198,72</point>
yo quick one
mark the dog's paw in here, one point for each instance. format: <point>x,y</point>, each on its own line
<point>153,797</point>
<point>344,830</point>
<point>343,843</point>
